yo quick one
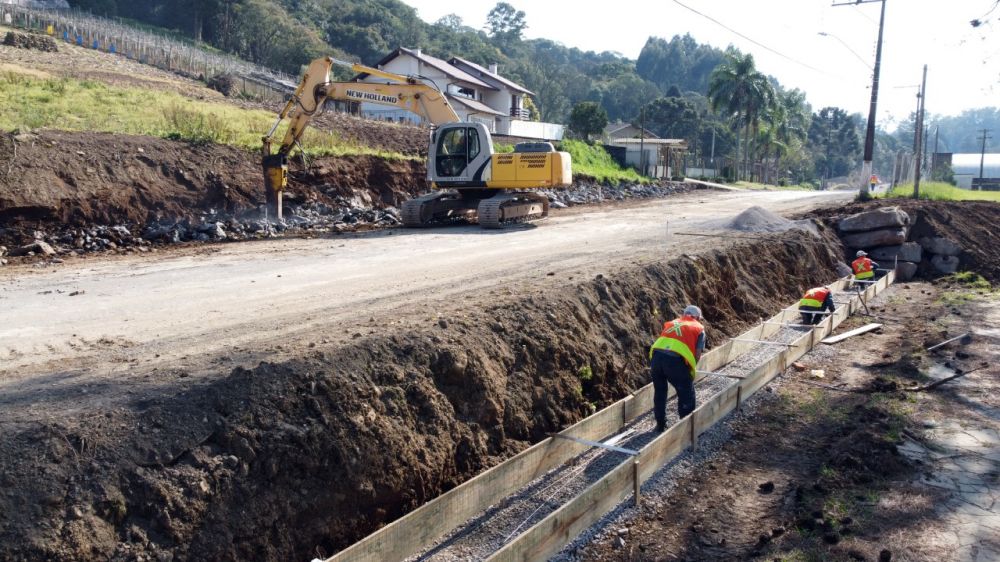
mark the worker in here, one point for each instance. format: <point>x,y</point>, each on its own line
<point>817,299</point>
<point>863,267</point>
<point>673,359</point>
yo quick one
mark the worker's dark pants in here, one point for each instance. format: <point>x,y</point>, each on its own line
<point>811,319</point>
<point>670,368</point>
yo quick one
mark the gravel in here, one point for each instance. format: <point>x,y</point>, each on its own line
<point>484,534</point>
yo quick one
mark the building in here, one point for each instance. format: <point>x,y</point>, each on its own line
<point>650,155</point>
<point>476,93</point>
<point>965,167</point>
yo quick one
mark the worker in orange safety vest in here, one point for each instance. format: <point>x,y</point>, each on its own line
<point>863,267</point>
<point>674,360</point>
<point>817,299</point>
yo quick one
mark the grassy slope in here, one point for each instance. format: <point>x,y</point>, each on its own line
<point>595,162</point>
<point>938,191</point>
<point>28,102</point>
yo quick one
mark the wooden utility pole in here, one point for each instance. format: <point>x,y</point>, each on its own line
<point>866,169</point>
<point>920,134</point>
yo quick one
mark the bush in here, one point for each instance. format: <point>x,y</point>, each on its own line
<point>195,126</point>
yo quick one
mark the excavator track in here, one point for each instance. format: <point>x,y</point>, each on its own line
<point>512,207</point>
<point>496,211</point>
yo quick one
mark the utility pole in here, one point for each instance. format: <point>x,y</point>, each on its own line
<point>920,134</point>
<point>866,169</point>
<point>642,140</point>
<point>982,155</point>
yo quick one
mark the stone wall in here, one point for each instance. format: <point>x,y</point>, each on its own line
<point>885,234</point>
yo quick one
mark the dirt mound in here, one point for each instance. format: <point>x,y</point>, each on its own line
<point>30,41</point>
<point>403,138</point>
<point>59,183</point>
<point>299,459</point>
<point>965,222</point>
<point>759,219</point>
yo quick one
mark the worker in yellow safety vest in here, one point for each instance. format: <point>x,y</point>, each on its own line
<point>673,359</point>
<point>817,299</point>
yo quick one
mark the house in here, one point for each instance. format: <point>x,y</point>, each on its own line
<point>620,130</point>
<point>643,150</point>
<point>476,93</point>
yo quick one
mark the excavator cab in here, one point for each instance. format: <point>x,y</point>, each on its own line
<point>458,154</point>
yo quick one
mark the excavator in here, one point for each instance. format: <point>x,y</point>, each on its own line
<point>469,180</point>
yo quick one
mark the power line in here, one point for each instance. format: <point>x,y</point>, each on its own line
<point>754,41</point>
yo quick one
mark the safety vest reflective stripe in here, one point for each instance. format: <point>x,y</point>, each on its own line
<point>814,297</point>
<point>678,347</point>
<point>681,337</point>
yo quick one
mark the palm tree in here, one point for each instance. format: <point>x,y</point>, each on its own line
<point>742,93</point>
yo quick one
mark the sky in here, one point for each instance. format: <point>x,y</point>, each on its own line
<point>833,69</point>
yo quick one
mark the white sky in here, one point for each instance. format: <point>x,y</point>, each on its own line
<point>963,62</point>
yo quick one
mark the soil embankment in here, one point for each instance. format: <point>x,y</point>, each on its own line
<point>288,460</point>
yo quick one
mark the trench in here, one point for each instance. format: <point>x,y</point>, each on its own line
<point>299,459</point>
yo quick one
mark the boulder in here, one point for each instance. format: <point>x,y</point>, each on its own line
<point>873,220</point>
<point>945,264</point>
<point>910,251</point>
<point>940,246</point>
<point>905,271</point>
<point>843,270</point>
<point>37,247</point>
<point>875,238</point>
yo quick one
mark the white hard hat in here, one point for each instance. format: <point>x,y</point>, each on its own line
<point>693,311</point>
<point>861,253</point>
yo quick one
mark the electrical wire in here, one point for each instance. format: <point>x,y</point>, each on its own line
<point>754,41</point>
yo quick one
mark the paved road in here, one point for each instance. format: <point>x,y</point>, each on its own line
<point>227,299</point>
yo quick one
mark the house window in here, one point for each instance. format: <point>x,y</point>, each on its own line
<point>467,92</point>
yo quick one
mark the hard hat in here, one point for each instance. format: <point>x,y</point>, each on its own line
<point>861,253</point>
<point>693,311</point>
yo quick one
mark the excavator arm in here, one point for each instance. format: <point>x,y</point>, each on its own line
<point>404,92</point>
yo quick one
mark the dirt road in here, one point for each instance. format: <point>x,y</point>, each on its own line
<point>241,302</point>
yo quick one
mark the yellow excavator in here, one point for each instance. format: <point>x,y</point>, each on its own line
<point>468,179</point>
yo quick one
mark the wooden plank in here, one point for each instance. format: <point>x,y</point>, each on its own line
<point>424,525</point>
<point>549,535</point>
<point>664,448</point>
<point>855,332</point>
<point>719,407</point>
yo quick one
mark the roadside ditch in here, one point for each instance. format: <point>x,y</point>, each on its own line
<point>298,459</point>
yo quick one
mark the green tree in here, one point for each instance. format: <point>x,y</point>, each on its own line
<point>505,23</point>
<point>835,142</point>
<point>741,93</point>
<point>588,118</point>
<point>673,117</point>
<point>450,21</point>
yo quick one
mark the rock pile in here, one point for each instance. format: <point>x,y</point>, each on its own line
<point>884,234</point>
<point>30,41</point>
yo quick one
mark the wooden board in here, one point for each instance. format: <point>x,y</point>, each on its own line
<point>855,332</point>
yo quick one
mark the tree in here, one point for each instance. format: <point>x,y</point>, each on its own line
<point>505,23</point>
<point>738,90</point>
<point>588,118</point>
<point>673,117</point>
<point>450,21</point>
<point>835,141</point>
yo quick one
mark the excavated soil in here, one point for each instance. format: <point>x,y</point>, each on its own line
<point>297,459</point>
<point>969,223</point>
<point>52,180</point>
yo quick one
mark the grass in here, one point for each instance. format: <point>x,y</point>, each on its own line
<point>28,102</point>
<point>939,191</point>
<point>595,162</point>
<point>755,186</point>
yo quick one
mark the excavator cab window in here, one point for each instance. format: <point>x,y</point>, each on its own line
<point>456,147</point>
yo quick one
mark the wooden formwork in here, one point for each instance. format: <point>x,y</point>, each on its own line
<point>425,525</point>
